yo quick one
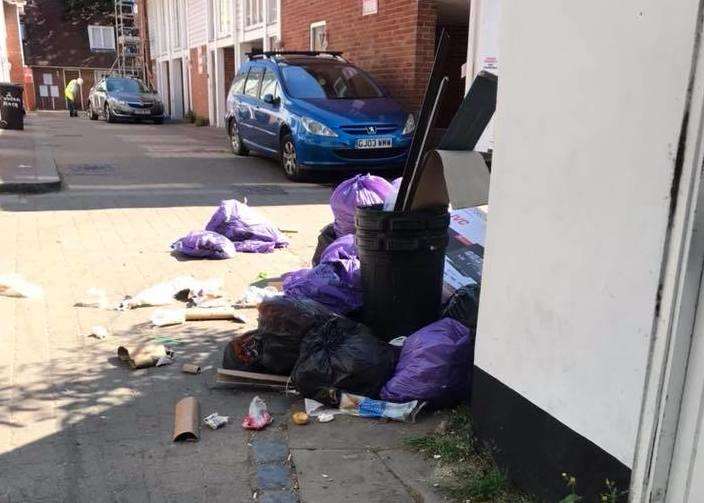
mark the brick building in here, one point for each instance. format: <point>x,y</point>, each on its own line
<point>11,58</point>
<point>393,40</point>
<point>60,45</point>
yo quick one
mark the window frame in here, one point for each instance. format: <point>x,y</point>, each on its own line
<point>316,24</point>
<point>267,71</point>
<point>255,69</point>
<point>101,30</point>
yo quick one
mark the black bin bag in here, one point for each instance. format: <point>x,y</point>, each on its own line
<point>342,355</point>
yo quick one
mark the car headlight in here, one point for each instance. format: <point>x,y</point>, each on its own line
<point>116,101</point>
<point>317,128</point>
<point>410,125</point>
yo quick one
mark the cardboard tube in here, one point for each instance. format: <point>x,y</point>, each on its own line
<point>142,361</point>
<point>186,420</point>
<point>210,313</point>
<point>190,368</point>
<point>141,356</point>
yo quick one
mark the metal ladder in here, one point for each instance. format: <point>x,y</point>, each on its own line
<point>130,61</point>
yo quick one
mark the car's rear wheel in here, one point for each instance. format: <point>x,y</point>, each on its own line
<point>236,144</point>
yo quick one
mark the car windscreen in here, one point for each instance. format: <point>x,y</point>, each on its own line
<point>329,80</point>
<point>126,86</point>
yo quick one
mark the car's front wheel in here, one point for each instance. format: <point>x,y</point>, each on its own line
<point>289,159</point>
<point>92,114</point>
<point>236,144</point>
<point>109,117</point>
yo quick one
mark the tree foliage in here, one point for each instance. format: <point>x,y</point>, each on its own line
<point>89,7</point>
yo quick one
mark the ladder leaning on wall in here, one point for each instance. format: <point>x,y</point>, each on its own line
<point>130,60</point>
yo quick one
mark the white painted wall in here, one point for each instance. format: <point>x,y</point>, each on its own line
<point>589,111</point>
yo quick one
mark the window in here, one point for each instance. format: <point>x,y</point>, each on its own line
<point>224,18</point>
<point>328,79</point>
<point>318,36</point>
<point>253,12</point>
<point>176,24</point>
<point>101,38</point>
<point>126,86</point>
<point>268,84</point>
<point>251,87</point>
<point>238,84</point>
<point>272,11</point>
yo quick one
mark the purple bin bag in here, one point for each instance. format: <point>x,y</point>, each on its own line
<point>361,190</point>
<point>434,365</point>
<point>205,244</point>
<point>335,282</point>
<point>246,227</point>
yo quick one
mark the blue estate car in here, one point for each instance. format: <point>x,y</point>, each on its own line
<point>314,110</point>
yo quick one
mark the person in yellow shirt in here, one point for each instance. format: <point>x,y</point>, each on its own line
<point>73,88</point>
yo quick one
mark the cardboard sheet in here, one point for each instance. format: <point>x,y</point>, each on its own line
<point>464,257</point>
<point>141,355</point>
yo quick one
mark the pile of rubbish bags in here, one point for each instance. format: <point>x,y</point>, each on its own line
<point>234,227</point>
<point>312,333</point>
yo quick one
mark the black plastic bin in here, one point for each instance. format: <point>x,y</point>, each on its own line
<point>11,106</point>
<point>402,258</point>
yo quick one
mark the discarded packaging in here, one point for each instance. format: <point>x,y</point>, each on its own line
<point>141,355</point>
<point>362,406</point>
<point>215,421</point>
<point>398,341</point>
<point>160,294</point>
<point>258,417</point>
<point>325,417</point>
<point>212,313</point>
<point>166,317</point>
<point>300,418</point>
<point>464,256</point>
<point>205,244</point>
<point>14,285</point>
<point>95,297</point>
<point>315,408</point>
<point>164,360</point>
<point>254,295</point>
<point>99,332</point>
<point>190,368</point>
<point>186,420</point>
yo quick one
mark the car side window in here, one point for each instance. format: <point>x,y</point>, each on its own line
<point>238,83</point>
<point>268,84</point>
<point>101,86</point>
<point>251,87</point>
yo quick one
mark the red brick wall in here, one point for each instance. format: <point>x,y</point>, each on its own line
<point>396,45</point>
<point>199,82</point>
<point>14,47</point>
<point>229,66</point>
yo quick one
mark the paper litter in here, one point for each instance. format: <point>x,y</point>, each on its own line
<point>14,285</point>
<point>215,421</point>
<point>99,332</point>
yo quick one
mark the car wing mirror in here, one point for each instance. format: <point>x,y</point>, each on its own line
<point>269,98</point>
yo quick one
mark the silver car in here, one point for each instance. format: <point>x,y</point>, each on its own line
<point>115,98</point>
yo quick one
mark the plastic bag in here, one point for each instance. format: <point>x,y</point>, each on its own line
<point>243,353</point>
<point>181,288</point>
<point>342,355</point>
<point>205,244</point>
<point>325,239</point>
<point>335,282</point>
<point>390,201</point>
<point>361,190</point>
<point>166,317</point>
<point>283,323</point>
<point>434,365</point>
<point>14,285</point>
<point>249,230</point>
<point>463,306</point>
<point>254,295</point>
<point>258,417</point>
<point>362,406</point>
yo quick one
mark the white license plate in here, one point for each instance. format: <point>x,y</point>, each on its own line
<point>374,143</point>
<point>142,112</point>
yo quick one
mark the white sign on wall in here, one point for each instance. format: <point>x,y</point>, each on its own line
<point>54,91</point>
<point>44,91</point>
<point>370,7</point>
<point>48,79</point>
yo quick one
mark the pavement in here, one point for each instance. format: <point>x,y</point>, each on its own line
<point>77,425</point>
<point>27,164</point>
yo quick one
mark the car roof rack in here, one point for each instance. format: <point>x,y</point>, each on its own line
<point>274,54</point>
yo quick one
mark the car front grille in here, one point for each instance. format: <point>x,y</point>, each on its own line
<point>370,153</point>
<point>135,104</point>
<point>363,129</point>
